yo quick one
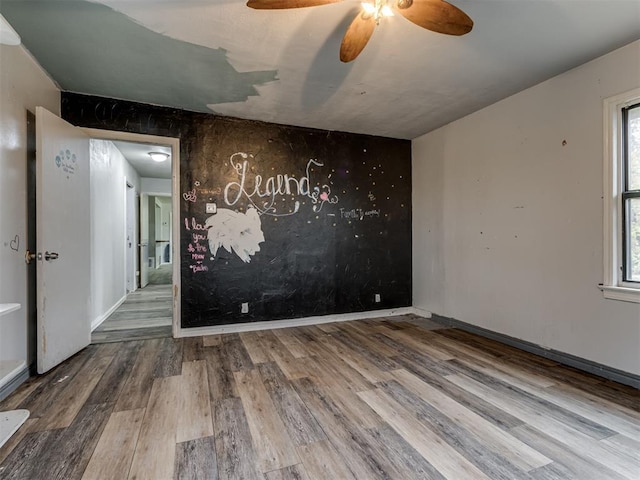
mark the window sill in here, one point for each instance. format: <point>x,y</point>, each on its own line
<point>624,294</point>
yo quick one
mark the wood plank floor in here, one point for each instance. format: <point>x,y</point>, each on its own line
<point>145,314</point>
<point>375,399</point>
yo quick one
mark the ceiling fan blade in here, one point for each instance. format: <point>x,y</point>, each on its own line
<point>357,36</point>
<point>280,4</point>
<point>435,15</point>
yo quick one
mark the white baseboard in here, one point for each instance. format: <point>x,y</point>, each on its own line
<point>295,322</point>
<point>421,312</point>
<point>98,321</point>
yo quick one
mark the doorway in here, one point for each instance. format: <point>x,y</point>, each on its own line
<point>137,304</point>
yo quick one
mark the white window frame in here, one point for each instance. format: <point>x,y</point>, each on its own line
<point>613,286</point>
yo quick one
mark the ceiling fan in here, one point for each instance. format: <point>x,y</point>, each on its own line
<point>435,15</point>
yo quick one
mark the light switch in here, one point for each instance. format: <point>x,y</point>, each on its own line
<point>211,208</point>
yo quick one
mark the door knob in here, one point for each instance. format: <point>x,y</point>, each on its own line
<point>28,256</point>
<point>48,256</point>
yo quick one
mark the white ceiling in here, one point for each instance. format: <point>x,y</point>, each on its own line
<point>138,156</point>
<point>407,81</point>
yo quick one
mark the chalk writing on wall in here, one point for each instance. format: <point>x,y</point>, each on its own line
<point>197,251</point>
<point>359,213</point>
<point>190,196</point>
<point>263,195</point>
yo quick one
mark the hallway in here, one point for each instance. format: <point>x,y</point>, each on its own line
<point>145,314</point>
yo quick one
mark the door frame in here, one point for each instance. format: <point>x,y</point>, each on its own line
<point>130,222</point>
<point>174,143</point>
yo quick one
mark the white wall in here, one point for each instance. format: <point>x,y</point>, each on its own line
<point>507,221</point>
<point>109,169</point>
<point>155,185</point>
<point>23,85</point>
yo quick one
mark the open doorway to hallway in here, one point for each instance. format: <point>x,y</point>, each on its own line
<point>135,303</point>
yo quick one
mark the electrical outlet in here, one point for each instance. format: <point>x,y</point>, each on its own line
<point>211,208</point>
<point>244,308</point>
<point>377,298</point>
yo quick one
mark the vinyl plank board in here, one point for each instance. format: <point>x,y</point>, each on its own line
<point>25,461</point>
<point>403,456</point>
<point>420,343</point>
<point>504,370</point>
<point>291,343</point>
<point>623,444</point>
<point>236,456</point>
<point>334,366</point>
<point>130,334</point>
<point>534,403</point>
<point>371,372</point>
<point>114,378</point>
<point>68,457</point>
<point>567,461</point>
<point>302,427</point>
<point>51,384</point>
<point>71,400</point>
<point>364,334</point>
<point>474,403</point>
<point>518,453</point>
<point>495,463</point>
<point>379,361</point>
<point>289,365</point>
<point>345,434</point>
<point>273,445</point>
<point>169,359</point>
<point>489,346</point>
<point>328,327</point>
<point>449,462</point>
<point>194,416</point>
<point>15,439</point>
<point>113,454</point>
<point>13,401</point>
<point>156,448</point>
<point>322,461</point>
<point>196,460</point>
<point>211,340</point>
<point>137,388</point>
<point>256,351</point>
<point>341,392</point>
<point>222,384</point>
<point>294,472</point>
<point>590,398</point>
<point>193,349</point>
<point>599,413</point>
<point>234,350</point>
<point>556,429</point>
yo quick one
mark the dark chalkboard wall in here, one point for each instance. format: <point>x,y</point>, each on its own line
<point>307,222</point>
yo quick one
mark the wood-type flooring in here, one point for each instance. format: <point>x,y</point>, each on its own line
<point>146,313</point>
<point>374,399</point>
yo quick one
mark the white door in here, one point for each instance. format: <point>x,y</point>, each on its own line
<point>63,240</point>
<point>144,240</point>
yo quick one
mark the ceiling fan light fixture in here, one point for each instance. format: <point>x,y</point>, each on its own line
<point>368,8</point>
<point>386,11</point>
<point>159,156</point>
<point>377,9</point>
<point>438,16</point>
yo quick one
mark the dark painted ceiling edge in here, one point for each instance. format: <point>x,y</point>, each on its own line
<point>66,94</point>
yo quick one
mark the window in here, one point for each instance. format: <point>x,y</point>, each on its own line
<point>622,197</point>
<point>631,193</point>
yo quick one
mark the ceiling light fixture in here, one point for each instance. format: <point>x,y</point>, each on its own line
<point>377,9</point>
<point>436,15</point>
<point>159,156</point>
